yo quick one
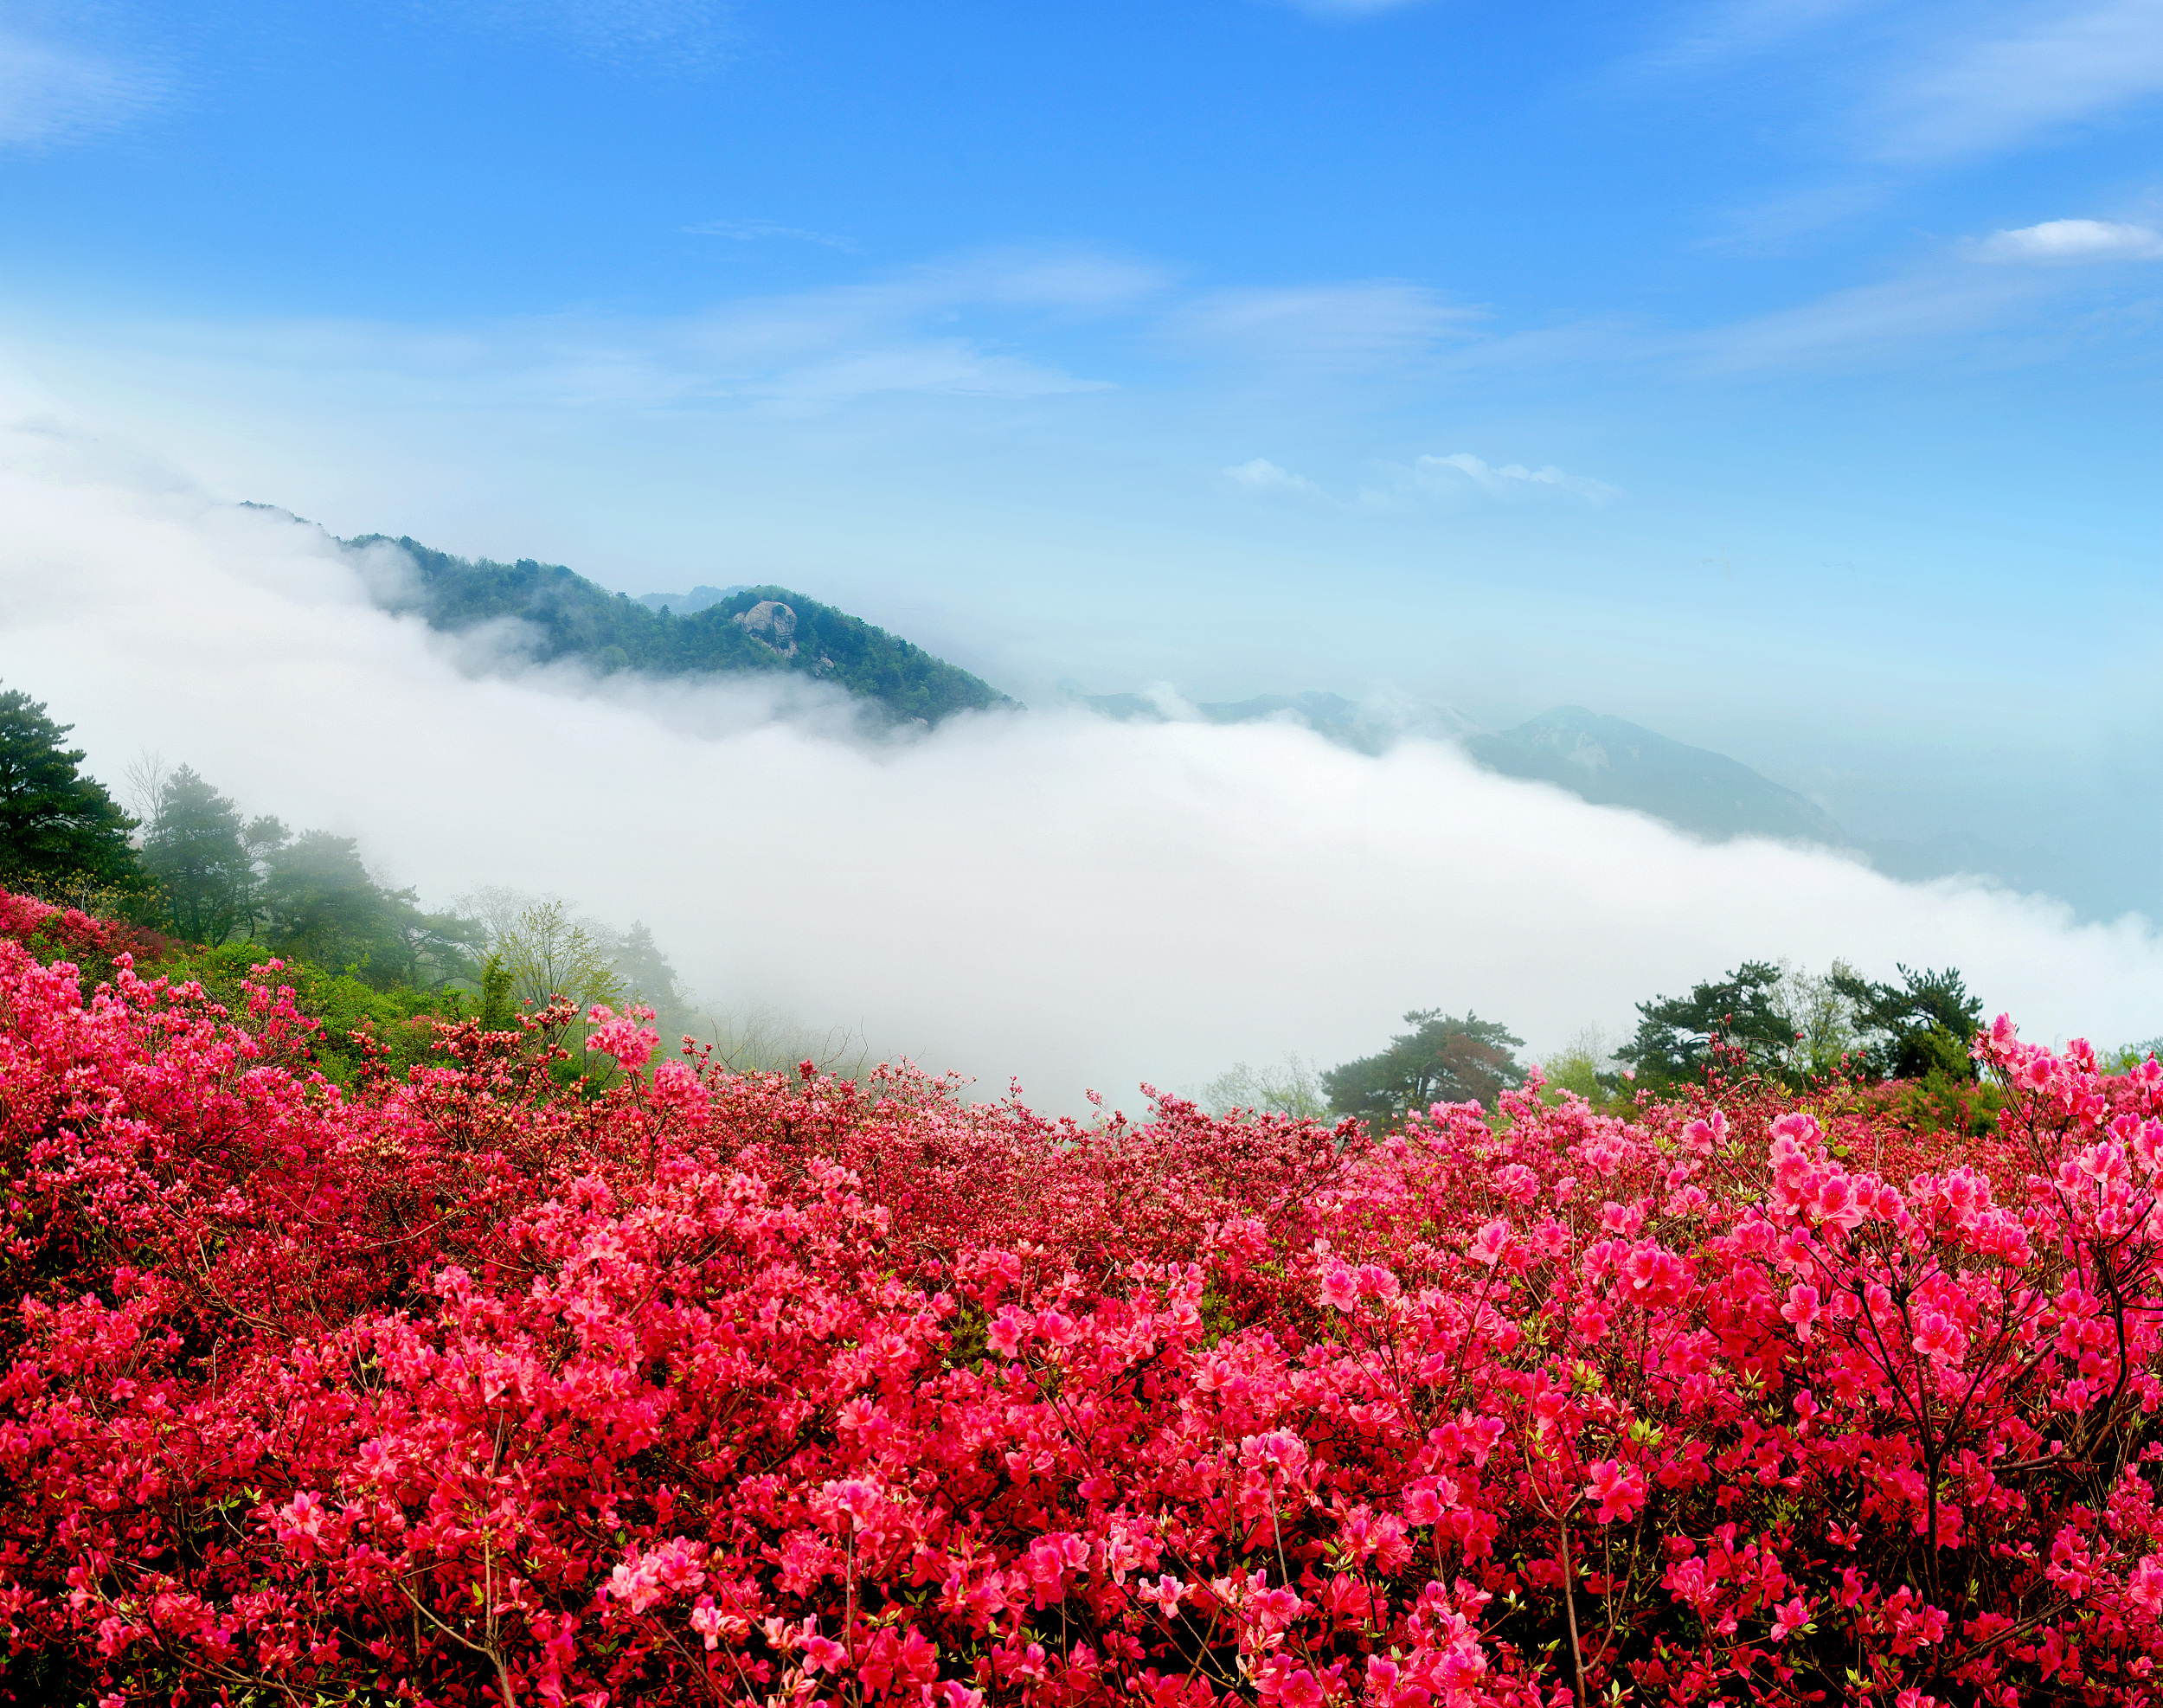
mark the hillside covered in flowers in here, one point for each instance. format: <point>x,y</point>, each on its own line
<point>480,1383</point>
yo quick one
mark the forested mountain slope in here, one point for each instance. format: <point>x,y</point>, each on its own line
<point>1615,763</point>
<point>759,628</point>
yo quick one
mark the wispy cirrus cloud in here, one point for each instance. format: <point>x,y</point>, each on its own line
<point>1717,36</point>
<point>1461,471</point>
<point>53,91</point>
<point>1448,479</point>
<point>757,231</point>
<point>1920,85</point>
<point>1351,9</point>
<point>1261,475</point>
<point>2017,72</point>
<point>1362,325</point>
<point>896,333</point>
<point>676,36</point>
<point>966,326</point>
<point>1878,322</point>
<point>1944,308</point>
<point>2073,240</point>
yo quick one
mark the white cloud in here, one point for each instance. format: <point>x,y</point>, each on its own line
<point>1068,899</point>
<point>1361,325</point>
<point>1873,323</point>
<point>753,231</point>
<point>677,37</point>
<point>51,91</point>
<point>1922,83</point>
<point>944,329</point>
<point>1263,476</point>
<point>1351,9</point>
<point>2073,240</point>
<point>1508,479</point>
<point>1716,35</point>
<point>2020,72</point>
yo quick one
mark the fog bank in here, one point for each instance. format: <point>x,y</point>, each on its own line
<point>1047,896</point>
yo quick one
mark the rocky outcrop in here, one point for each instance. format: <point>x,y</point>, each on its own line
<point>772,622</point>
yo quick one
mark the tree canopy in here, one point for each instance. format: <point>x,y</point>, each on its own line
<point>1442,1060</point>
<point>1744,1009</point>
<point>196,848</point>
<point>1794,1026</point>
<point>55,823</point>
<point>564,615</point>
<point>321,903</point>
<point>1923,1024</point>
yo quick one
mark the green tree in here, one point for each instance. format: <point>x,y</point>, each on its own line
<point>1820,1019</point>
<point>196,847</point>
<point>1921,1027</point>
<point>322,903</point>
<point>496,1013</point>
<point>261,839</point>
<point>546,951</point>
<point>56,824</point>
<point>1289,1089</point>
<point>648,977</point>
<point>1676,1034</point>
<point>1584,1065</point>
<point>1441,1059</point>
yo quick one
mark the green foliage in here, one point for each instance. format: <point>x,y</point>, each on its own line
<point>569,616</point>
<point>223,878</point>
<point>1952,1100</point>
<point>497,1011</point>
<point>1918,1028</point>
<point>56,824</point>
<point>1442,1060</point>
<point>323,906</point>
<point>1676,1034</point>
<point>2127,1056</point>
<point>543,952</point>
<point>1802,1028</point>
<point>646,976</point>
<point>1291,1088</point>
<point>1584,1067</point>
<point>398,1018</point>
<point>196,847</point>
<point>1821,1020</point>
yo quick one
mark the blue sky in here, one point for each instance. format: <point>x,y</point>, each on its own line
<point>1782,376</point>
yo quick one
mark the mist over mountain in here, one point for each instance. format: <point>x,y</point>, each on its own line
<point>686,604</point>
<point>1613,763</point>
<point>1369,726</point>
<point>1610,761</point>
<point>559,615</point>
<point>1604,760</point>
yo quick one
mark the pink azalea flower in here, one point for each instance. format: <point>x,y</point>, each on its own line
<point>1619,1488</point>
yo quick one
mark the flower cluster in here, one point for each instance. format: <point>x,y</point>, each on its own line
<point>484,1387</point>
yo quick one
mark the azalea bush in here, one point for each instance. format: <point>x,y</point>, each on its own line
<point>478,1384</point>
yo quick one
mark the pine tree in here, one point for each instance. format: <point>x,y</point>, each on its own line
<point>56,825</point>
<point>196,848</point>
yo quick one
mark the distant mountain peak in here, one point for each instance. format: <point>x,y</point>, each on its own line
<point>740,630</point>
<point>1612,763</point>
<point>1367,726</point>
<point>690,604</point>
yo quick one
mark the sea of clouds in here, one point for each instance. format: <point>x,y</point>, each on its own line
<point>1045,896</point>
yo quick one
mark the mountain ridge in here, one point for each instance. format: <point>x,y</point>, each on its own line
<point>747,629</point>
<point>1612,763</point>
<point>1602,758</point>
<point>1609,762</point>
